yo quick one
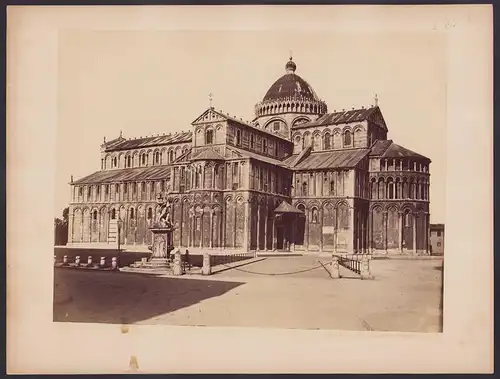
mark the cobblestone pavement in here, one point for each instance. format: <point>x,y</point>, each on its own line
<point>404,296</point>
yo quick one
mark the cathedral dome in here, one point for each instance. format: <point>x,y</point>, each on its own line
<point>290,94</point>
<point>290,86</point>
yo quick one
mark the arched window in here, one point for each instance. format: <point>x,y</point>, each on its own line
<point>150,213</point>
<point>134,189</point>
<point>407,219</point>
<point>113,214</point>
<point>131,213</point>
<point>304,189</point>
<point>197,176</point>
<point>326,142</point>
<point>170,156</point>
<point>297,144</point>
<point>332,187</point>
<point>264,145</point>
<point>412,190</point>
<point>117,191</point>
<point>314,215</point>
<point>381,188</point>
<point>252,141</point>
<point>347,138</point>
<point>238,137</point>
<point>115,162</point>
<point>305,141</point>
<point>157,158</point>
<point>390,189</point>
<point>129,161</point>
<point>209,138</point>
<point>374,191</point>
<point>94,215</point>
<point>143,159</point>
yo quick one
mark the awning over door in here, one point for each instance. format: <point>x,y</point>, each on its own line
<point>287,208</point>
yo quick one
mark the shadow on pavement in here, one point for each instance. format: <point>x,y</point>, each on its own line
<point>123,298</point>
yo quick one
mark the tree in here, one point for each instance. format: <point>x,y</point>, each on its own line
<point>61,228</point>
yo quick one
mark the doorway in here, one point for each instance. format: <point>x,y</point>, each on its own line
<point>279,237</point>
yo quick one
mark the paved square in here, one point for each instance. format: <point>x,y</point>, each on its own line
<point>404,296</point>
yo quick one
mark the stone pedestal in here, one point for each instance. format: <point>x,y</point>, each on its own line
<point>334,268</point>
<point>162,244</point>
<point>206,269</point>
<point>365,267</point>
<point>177,269</point>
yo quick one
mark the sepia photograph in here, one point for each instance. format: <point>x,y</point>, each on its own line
<point>290,179</point>
<point>187,213</point>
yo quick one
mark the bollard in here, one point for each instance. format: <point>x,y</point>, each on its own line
<point>114,263</point>
<point>365,267</point>
<point>102,263</point>
<point>89,261</point>
<point>65,260</point>
<point>334,268</point>
<point>206,269</point>
<point>77,260</point>
<point>177,263</point>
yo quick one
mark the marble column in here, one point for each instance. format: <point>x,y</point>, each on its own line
<point>223,226</point>
<point>258,227</point>
<point>266,221</point>
<point>385,216</point>
<point>370,231</point>
<point>201,227</point>
<point>400,225</point>
<point>415,217</point>
<point>321,231</point>
<point>211,214</point>
<point>246,240</point>
<point>350,245</point>
<point>427,231</point>
<point>306,231</point>
<point>82,220</point>
<point>274,233</point>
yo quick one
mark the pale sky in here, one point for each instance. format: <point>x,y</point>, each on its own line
<point>149,82</point>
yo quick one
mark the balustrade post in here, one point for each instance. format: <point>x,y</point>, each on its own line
<point>365,267</point>
<point>334,268</point>
<point>206,269</point>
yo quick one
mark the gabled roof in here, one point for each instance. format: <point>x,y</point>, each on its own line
<point>355,115</point>
<point>397,151</point>
<point>301,156</point>
<point>207,154</point>
<point>379,147</point>
<point>166,139</point>
<point>346,158</point>
<point>184,157</point>
<point>388,149</point>
<point>126,174</point>
<point>234,152</point>
<point>286,207</point>
<point>212,115</point>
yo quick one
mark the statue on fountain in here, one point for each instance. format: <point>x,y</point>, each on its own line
<point>164,218</point>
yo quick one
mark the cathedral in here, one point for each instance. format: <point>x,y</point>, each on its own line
<point>295,179</point>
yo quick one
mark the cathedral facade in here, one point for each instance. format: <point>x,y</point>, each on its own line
<point>296,178</point>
